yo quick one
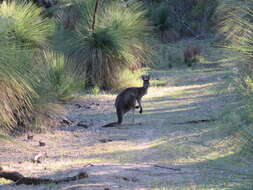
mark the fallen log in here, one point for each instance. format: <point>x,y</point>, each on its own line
<point>20,179</point>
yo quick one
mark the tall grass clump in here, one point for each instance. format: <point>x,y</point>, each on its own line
<point>237,28</point>
<point>17,91</point>
<point>108,39</point>
<point>21,29</point>
<point>161,18</point>
<point>59,79</point>
<point>26,27</point>
<point>23,33</point>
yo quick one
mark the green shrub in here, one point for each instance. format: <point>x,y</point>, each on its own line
<point>23,32</point>
<point>95,90</point>
<point>130,79</point>
<point>58,78</point>
<point>26,27</point>
<point>117,41</point>
<point>185,17</point>
<point>168,56</point>
<point>237,28</point>
<point>17,83</point>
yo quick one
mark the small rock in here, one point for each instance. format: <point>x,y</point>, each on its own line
<point>42,143</point>
<point>106,189</point>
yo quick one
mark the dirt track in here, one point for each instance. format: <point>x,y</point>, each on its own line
<point>167,148</point>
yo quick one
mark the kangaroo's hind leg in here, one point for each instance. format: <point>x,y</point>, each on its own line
<point>119,115</point>
<point>140,106</point>
<point>133,119</point>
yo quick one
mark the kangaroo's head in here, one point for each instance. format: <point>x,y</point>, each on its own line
<point>145,79</point>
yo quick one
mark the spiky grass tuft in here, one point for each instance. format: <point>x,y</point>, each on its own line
<point>117,41</point>
<point>25,24</point>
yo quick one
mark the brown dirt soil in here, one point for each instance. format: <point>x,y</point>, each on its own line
<point>160,150</point>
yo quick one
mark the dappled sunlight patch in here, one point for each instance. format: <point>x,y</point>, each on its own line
<point>156,92</point>
<point>155,111</point>
<point>190,186</point>
<point>69,163</point>
<point>104,95</point>
<point>120,152</point>
<point>5,181</point>
<point>213,153</point>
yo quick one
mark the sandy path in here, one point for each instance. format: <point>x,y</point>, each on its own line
<point>158,152</point>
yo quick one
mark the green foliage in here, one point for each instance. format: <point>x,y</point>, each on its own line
<point>186,17</point>
<point>58,78</point>
<point>237,28</point>
<point>16,86</point>
<point>21,29</point>
<point>31,79</point>
<point>160,15</point>
<point>168,56</point>
<point>130,78</point>
<point>95,90</point>
<point>26,27</point>
<point>117,41</point>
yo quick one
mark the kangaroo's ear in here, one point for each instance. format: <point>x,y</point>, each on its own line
<point>145,77</point>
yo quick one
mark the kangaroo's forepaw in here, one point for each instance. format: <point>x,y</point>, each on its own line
<point>140,110</point>
<point>136,107</point>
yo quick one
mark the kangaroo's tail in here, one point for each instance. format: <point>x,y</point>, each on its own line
<point>114,124</point>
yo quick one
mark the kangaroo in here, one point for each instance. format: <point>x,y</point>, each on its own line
<point>127,99</point>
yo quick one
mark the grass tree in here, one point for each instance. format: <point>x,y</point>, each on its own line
<point>58,77</point>
<point>109,38</point>
<point>21,30</point>
<point>237,17</point>
<point>25,24</point>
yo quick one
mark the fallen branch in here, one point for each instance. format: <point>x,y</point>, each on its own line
<point>195,121</point>
<point>20,179</point>
<point>169,168</point>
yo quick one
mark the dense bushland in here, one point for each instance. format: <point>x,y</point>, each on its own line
<point>183,18</point>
